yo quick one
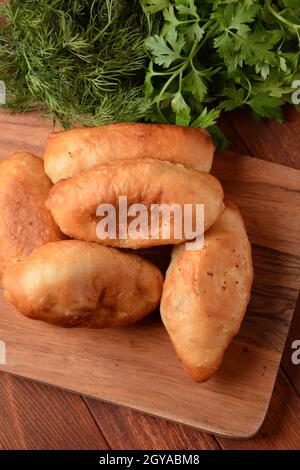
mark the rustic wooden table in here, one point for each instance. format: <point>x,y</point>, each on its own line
<point>35,416</point>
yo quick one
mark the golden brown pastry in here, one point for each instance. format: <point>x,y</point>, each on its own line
<point>74,202</point>
<point>68,153</point>
<point>25,222</point>
<point>73,283</point>
<point>206,293</point>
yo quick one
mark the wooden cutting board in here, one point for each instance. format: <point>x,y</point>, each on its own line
<point>137,366</point>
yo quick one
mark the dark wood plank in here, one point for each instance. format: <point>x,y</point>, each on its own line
<point>269,140</point>
<point>280,430</point>
<point>236,144</point>
<point>34,416</point>
<point>127,429</point>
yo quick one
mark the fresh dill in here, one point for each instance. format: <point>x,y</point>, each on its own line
<point>79,60</point>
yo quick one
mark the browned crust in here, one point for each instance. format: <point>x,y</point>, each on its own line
<point>73,202</point>
<point>206,294</point>
<point>25,222</point>
<point>68,153</point>
<point>73,283</point>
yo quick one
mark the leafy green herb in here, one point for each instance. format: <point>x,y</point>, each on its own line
<point>177,61</point>
<point>223,54</point>
<point>81,60</point>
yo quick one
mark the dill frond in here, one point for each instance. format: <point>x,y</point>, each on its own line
<point>78,60</point>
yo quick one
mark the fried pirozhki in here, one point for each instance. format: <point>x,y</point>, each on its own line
<point>25,222</point>
<point>74,202</point>
<point>68,153</point>
<point>206,293</point>
<point>74,283</point>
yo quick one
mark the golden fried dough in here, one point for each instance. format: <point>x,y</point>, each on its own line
<point>68,153</point>
<point>74,202</point>
<point>25,222</point>
<point>206,293</point>
<point>74,283</point>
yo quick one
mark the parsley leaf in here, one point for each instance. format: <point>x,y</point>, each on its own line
<point>165,54</point>
<point>265,105</point>
<point>223,54</point>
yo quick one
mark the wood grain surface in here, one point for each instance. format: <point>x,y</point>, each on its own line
<point>120,422</point>
<point>42,423</point>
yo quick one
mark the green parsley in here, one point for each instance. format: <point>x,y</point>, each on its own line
<point>218,55</point>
